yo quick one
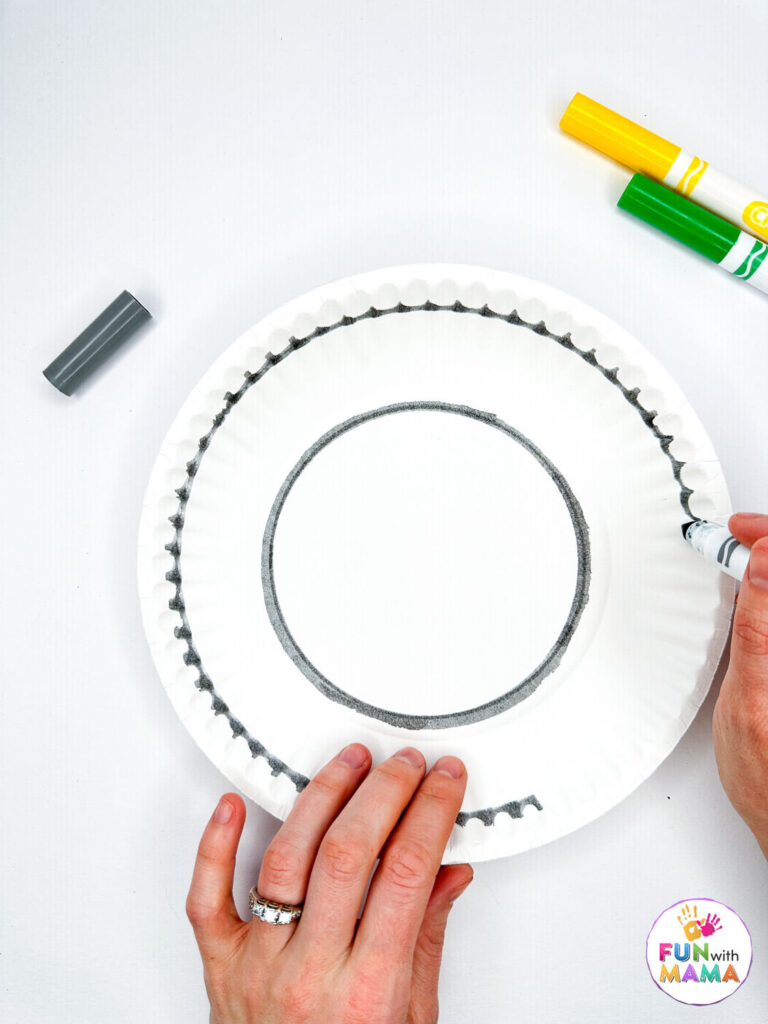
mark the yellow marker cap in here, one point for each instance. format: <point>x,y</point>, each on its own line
<point>618,137</point>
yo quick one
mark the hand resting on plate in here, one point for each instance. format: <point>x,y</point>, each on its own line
<point>328,967</point>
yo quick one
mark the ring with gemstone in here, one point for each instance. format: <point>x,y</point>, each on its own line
<point>271,912</point>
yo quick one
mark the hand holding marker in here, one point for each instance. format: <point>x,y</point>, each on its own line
<point>740,719</point>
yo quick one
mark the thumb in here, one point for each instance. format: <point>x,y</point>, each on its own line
<point>747,527</point>
<point>749,643</point>
<point>450,883</point>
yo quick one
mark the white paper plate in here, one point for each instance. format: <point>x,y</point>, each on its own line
<point>437,505</point>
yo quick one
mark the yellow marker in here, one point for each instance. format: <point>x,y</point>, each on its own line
<point>650,154</point>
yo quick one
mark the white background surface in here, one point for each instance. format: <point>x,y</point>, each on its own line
<point>218,159</point>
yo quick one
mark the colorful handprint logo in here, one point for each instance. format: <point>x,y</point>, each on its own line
<point>699,951</point>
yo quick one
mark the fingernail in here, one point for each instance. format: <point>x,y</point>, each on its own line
<point>450,766</point>
<point>751,515</point>
<point>355,755</point>
<point>412,756</point>
<point>758,566</point>
<point>223,812</point>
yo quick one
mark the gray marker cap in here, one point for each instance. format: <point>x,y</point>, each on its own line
<point>97,343</point>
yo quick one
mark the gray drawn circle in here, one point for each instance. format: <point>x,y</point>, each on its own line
<point>522,689</point>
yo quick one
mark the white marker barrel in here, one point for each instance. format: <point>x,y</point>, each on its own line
<point>693,177</point>
<point>718,545</point>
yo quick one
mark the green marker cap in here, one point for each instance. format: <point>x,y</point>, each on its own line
<point>679,217</point>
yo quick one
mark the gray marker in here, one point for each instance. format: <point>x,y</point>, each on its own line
<point>718,545</point>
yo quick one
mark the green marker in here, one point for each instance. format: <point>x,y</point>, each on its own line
<point>740,254</point>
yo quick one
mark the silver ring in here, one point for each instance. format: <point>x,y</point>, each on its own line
<point>271,912</point>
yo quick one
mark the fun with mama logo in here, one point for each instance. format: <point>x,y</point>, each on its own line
<point>699,951</point>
